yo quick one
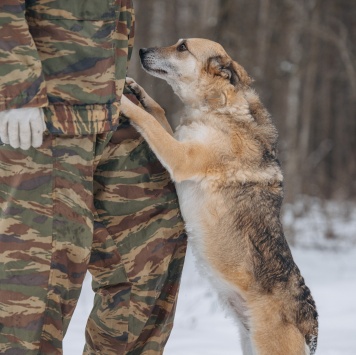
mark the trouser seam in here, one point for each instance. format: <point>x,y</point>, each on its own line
<point>50,276</point>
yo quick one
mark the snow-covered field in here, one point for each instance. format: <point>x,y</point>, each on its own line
<point>201,327</point>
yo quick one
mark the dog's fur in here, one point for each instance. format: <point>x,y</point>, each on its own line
<point>229,182</point>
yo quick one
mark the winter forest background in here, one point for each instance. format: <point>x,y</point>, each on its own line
<point>302,55</point>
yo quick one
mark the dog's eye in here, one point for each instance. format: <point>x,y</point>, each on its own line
<point>182,47</point>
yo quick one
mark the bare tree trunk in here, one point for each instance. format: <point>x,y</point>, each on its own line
<point>263,37</point>
<point>293,182</point>
<point>308,100</point>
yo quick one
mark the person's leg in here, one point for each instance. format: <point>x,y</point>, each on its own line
<point>46,226</point>
<point>138,251</point>
<point>25,245</point>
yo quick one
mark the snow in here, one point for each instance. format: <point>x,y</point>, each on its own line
<point>201,326</point>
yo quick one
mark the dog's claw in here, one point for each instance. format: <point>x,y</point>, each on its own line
<point>135,88</point>
<point>129,80</point>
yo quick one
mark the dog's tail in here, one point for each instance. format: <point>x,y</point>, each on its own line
<point>311,341</point>
<point>308,315</point>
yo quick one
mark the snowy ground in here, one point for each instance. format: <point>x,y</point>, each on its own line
<point>201,327</point>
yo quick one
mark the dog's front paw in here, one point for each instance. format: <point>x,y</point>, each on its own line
<point>136,89</point>
<point>145,100</point>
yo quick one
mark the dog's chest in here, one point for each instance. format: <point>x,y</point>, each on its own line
<point>195,197</point>
<point>191,205</point>
<point>195,213</point>
<point>195,131</point>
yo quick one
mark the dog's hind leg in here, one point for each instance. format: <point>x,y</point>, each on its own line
<point>236,308</point>
<point>272,335</point>
<point>246,345</point>
<point>283,340</point>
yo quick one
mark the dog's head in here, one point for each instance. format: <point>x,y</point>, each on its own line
<point>193,66</point>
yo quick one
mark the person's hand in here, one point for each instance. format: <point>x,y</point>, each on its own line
<point>22,127</point>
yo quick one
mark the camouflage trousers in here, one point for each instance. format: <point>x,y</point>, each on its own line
<point>98,202</point>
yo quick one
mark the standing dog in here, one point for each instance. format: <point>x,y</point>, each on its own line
<point>229,182</point>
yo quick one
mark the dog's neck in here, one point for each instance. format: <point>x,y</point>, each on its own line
<point>208,97</point>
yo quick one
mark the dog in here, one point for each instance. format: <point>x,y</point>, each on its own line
<point>222,158</point>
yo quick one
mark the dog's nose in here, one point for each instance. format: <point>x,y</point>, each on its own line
<point>142,52</point>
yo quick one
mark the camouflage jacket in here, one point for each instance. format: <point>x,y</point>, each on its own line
<point>67,56</point>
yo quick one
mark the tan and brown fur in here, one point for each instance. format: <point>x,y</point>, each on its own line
<point>222,158</point>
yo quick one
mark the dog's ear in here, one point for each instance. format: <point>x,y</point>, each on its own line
<point>239,74</point>
<point>228,69</point>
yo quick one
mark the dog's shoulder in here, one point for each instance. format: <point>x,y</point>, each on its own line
<point>251,127</point>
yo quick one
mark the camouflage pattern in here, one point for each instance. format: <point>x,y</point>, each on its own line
<point>69,57</point>
<point>21,77</point>
<point>138,251</point>
<point>88,198</point>
<point>130,236</point>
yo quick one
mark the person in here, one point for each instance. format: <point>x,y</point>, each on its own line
<point>82,191</point>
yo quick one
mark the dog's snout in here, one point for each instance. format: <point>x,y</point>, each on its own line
<point>153,61</point>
